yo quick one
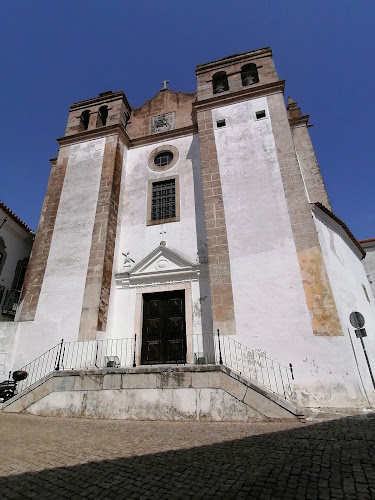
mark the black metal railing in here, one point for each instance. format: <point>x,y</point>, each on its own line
<point>2,290</point>
<point>204,349</point>
<point>11,301</point>
<point>85,355</point>
<point>251,363</point>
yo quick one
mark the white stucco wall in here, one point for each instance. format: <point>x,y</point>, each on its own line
<point>18,243</point>
<point>135,236</point>
<point>347,278</point>
<point>269,300</point>
<point>185,237</point>
<point>268,295</point>
<point>60,302</point>
<point>8,344</point>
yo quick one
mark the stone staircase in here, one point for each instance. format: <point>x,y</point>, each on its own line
<point>163,392</point>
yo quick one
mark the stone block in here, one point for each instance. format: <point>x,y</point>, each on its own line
<point>27,399</point>
<point>233,386</point>
<point>265,406</point>
<point>139,381</point>
<point>112,381</point>
<point>217,405</point>
<point>15,407</point>
<point>43,390</point>
<point>206,379</point>
<point>62,404</point>
<point>174,380</point>
<point>88,383</point>
<point>63,383</point>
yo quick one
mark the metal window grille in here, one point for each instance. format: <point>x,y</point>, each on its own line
<point>163,200</point>
<point>163,159</point>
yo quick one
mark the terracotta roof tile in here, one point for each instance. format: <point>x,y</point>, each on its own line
<point>343,225</point>
<point>369,240</point>
<point>15,217</point>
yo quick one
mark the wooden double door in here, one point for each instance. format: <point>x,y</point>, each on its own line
<point>164,329</point>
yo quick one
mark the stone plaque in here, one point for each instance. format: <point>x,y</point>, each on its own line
<point>162,123</point>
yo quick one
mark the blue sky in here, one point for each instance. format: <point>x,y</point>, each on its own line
<point>56,53</point>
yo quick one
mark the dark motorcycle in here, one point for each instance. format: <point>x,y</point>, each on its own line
<point>8,388</point>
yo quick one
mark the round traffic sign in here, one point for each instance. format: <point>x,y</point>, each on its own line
<point>357,320</point>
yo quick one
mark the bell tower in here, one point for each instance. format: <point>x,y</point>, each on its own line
<point>71,264</point>
<point>259,176</point>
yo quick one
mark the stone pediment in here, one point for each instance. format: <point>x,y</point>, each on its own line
<point>161,266</point>
<point>165,112</point>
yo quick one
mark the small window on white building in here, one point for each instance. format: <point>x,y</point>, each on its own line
<point>220,123</point>
<point>260,114</point>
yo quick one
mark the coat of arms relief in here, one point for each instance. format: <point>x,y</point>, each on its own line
<point>162,123</point>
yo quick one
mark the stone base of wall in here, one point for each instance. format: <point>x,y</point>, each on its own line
<point>211,393</point>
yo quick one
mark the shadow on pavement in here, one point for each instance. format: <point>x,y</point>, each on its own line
<point>333,459</point>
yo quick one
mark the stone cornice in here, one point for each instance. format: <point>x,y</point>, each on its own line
<point>97,100</point>
<point>165,136</point>
<point>225,61</point>
<point>300,120</point>
<point>242,95</point>
<point>88,135</point>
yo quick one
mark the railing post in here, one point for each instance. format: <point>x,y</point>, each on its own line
<point>218,338</point>
<point>96,355</point>
<point>57,367</point>
<point>135,343</point>
<point>291,370</point>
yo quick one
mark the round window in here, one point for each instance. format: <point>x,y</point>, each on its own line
<point>163,158</point>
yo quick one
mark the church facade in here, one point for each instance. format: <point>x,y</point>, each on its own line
<point>196,213</point>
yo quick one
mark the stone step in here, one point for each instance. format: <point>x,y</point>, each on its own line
<point>190,392</point>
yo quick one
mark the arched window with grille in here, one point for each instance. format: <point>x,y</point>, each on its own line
<point>220,82</point>
<point>249,74</point>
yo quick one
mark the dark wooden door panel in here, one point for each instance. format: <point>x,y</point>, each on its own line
<point>164,330</point>
<point>153,351</point>
<point>175,350</point>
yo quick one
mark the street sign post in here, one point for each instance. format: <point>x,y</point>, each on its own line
<point>357,320</point>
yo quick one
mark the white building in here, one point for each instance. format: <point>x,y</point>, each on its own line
<point>16,240</point>
<point>198,212</point>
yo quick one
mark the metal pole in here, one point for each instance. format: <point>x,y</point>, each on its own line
<point>220,358</point>
<point>135,343</point>
<point>57,367</point>
<point>368,362</point>
<point>96,355</point>
<point>291,370</point>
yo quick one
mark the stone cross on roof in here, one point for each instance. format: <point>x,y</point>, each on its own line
<point>165,84</point>
<point>163,232</point>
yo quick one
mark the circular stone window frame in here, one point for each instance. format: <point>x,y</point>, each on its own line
<point>166,148</point>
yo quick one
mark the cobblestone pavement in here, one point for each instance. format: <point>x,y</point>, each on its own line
<point>57,458</point>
